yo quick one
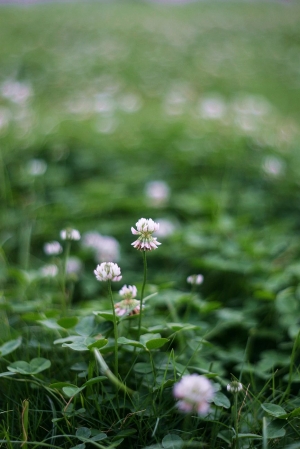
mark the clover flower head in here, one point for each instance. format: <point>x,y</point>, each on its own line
<point>195,279</point>
<point>52,248</point>
<point>108,271</point>
<point>36,167</point>
<point>194,394</point>
<point>128,292</point>
<point>105,247</point>
<point>234,387</point>
<point>74,266</point>
<point>128,307</point>
<point>145,228</point>
<point>158,192</point>
<point>50,270</point>
<point>70,234</point>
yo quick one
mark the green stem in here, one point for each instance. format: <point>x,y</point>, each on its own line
<point>236,424</point>
<point>64,276</point>
<point>107,372</point>
<point>142,294</point>
<point>115,327</point>
<point>293,356</point>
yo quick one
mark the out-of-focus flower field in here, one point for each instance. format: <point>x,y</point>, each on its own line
<point>186,114</point>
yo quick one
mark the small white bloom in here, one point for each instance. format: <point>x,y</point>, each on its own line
<point>128,292</point>
<point>36,167</point>
<point>52,248</point>
<point>108,271</point>
<point>194,393</point>
<point>105,247</point>
<point>166,228</point>
<point>195,279</point>
<point>74,265</point>
<point>234,387</point>
<point>273,166</point>
<point>145,228</point>
<point>158,192</point>
<point>49,271</point>
<point>70,234</point>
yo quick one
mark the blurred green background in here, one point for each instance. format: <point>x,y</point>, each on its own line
<point>187,114</point>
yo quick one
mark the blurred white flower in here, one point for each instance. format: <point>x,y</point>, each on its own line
<point>273,166</point>
<point>128,292</point>
<point>166,228</point>
<point>16,91</point>
<point>158,192</point>
<point>145,228</point>
<point>70,234</point>
<point>130,103</point>
<point>105,248</point>
<point>50,270</point>
<point>195,279</point>
<point>128,307</point>
<point>194,394</point>
<point>52,248</point>
<point>36,167</point>
<point>213,108</point>
<point>108,271</point>
<point>234,387</point>
<point>74,265</point>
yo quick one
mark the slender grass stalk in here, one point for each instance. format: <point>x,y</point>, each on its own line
<point>265,433</point>
<point>142,294</point>
<point>107,372</point>
<point>115,328</point>
<point>25,408</point>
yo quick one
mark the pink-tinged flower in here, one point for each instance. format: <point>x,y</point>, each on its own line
<point>108,271</point>
<point>128,292</point>
<point>195,279</point>
<point>128,307</point>
<point>145,228</point>
<point>194,394</point>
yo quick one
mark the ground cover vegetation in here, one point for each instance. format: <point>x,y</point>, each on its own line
<point>149,233</point>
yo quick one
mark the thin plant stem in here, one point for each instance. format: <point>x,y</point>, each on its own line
<point>64,276</point>
<point>115,328</point>
<point>142,293</point>
<point>236,422</point>
<point>107,372</point>
<point>293,356</point>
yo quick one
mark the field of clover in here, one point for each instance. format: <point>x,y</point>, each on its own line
<point>149,231</point>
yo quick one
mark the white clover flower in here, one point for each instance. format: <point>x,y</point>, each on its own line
<point>74,265</point>
<point>36,167</point>
<point>108,271</point>
<point>70,234</point>
<point>128,307</point>
<point>195,279</point>
<point>194,394</point>
<point>158,192</point>
<point>128,292</point>
<point>145,228</point>
<point>50,270</point>
<point>52,248</point>
<point>105,248</point>
<point>166,228</point>
<point>234,387</point>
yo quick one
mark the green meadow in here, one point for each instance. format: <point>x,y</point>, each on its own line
<point>187,115</point>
